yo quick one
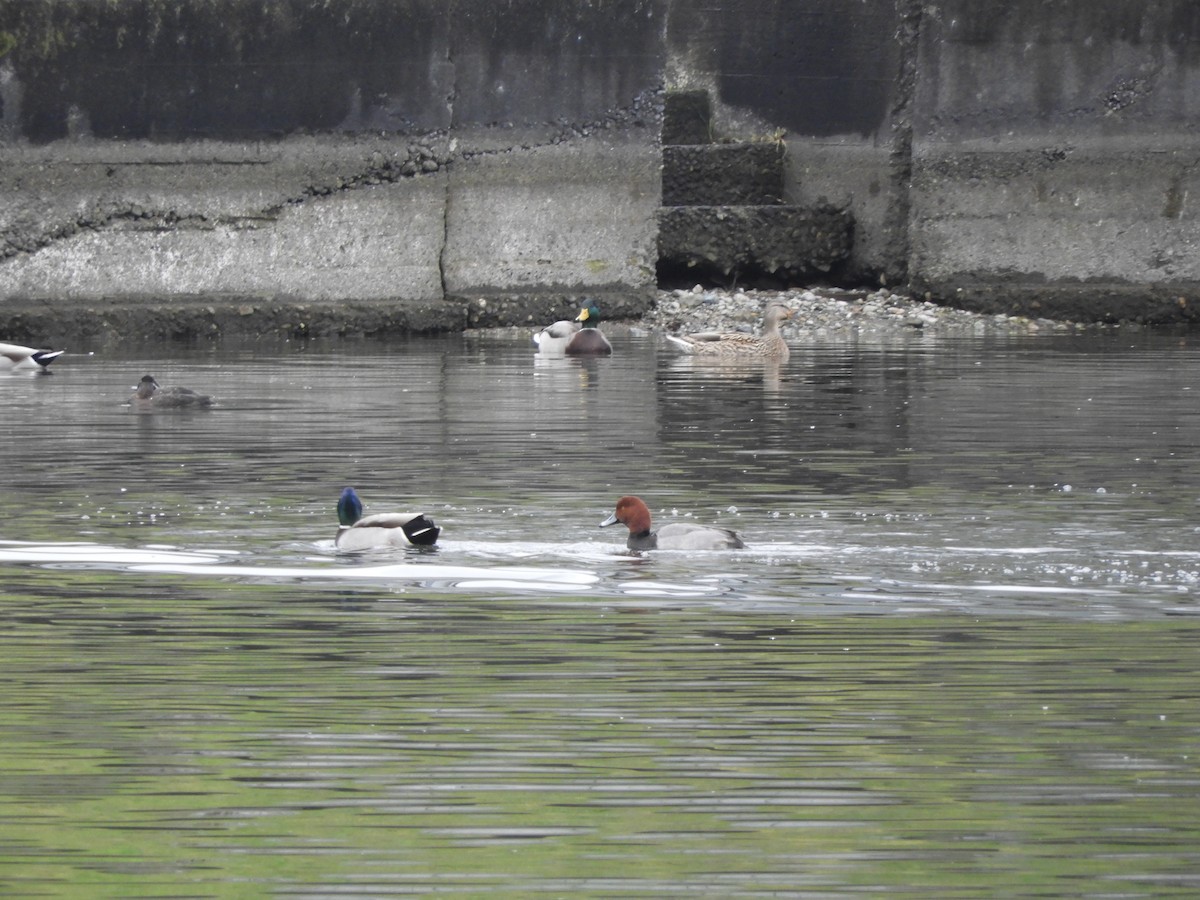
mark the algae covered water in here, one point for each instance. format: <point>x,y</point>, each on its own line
<point>955,659</point>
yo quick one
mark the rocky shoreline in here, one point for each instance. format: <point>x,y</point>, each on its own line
<point>818,312</point>
<point>830,311</point>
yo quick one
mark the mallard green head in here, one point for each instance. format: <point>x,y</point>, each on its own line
<point>349,508</point>
<point>589,315</point>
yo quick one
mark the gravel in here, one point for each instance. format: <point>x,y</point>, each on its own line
<point>829,311</point>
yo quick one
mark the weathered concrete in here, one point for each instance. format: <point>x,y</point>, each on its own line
<point>462,158</point>
<point>728,242</point>
<point>823,77</point>
<point>999,157</point>
<point>1056,159</point>
<point>572,218</point>
<point>223,221</point>
<point>687,118</point>
<point>723,174</point>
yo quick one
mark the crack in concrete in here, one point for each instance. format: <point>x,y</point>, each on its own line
<point>451,112</point>
<point>421,157</point>
<point>897,224</point>
<point>1177,194</point>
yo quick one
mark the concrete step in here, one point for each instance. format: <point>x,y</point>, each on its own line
<point>788,243</point>
<point>687,118</point>
<point>723,174</point>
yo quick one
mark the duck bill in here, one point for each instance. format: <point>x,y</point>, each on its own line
<point>611,520</point>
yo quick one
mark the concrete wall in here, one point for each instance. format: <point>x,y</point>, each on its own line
<point>1034,155</point>
<point>825,75</point>
<point>471,160</point>
<point>1056,157</point>
<point>491,162</point>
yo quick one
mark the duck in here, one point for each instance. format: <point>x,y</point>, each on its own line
<point>148,393</point>
<point>359,532</point>
<point>552,340</point>
<point>588,340</point>
<point>633,513</point>
<point>18,357</point>
<point>769,345</point>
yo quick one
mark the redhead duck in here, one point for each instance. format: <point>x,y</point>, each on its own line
<point>147,393</point>
<point>17,357</point>
<point>356,532</point>
<point>769,345</point>
<point>634,514</point>
<point>588,341</point>
<point>552,340</point>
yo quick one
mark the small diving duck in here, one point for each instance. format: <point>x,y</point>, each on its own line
<point>588,341</point>
<point>147,393</point>
<point>634,514</point>
<point>358,532</point>
<point>769,345</point>
<point>14,356</point>
<point>552,340</point>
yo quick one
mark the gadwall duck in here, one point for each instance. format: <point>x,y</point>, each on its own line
<point>769,345</point>
<point>588,341</point>
<point>634,514</point>
<point>359,532</point>
<point>14,356</point>
<point>148,393</point>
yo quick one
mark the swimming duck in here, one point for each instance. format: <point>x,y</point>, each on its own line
<point>148,393</point>
<point>552,340</point>
<point>588,340</point>
<point>358,532</point>
<point>769,345</point>
<point>18,357</point>
<point>634,514</point>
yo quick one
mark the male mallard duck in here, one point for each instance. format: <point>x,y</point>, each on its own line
<point>635,515</point>
<point>358,532</point>
<point>17,357</point>
<point>588,340</point>
<point>769,345</point>
<point>552,340</point>
<point>147,393</point>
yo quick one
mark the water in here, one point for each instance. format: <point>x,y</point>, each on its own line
<point>956,659</point>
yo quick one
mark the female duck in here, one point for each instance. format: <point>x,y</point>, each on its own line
<point>356,532</point>
<point>633,513</point>
<point>14,356</point>
<point>147,393</point>
<point>588,341</point>
<point>769,345</point>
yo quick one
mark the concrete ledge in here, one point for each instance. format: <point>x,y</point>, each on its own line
<point>541,308</point>
<point>214,318</point>
<point>723,174</point>
<point>787,242</point>
<point>252,317</point>
<point>687,118</point>
<point>1110,302</point>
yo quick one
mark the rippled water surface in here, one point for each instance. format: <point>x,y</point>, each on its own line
<point>956,659</point>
